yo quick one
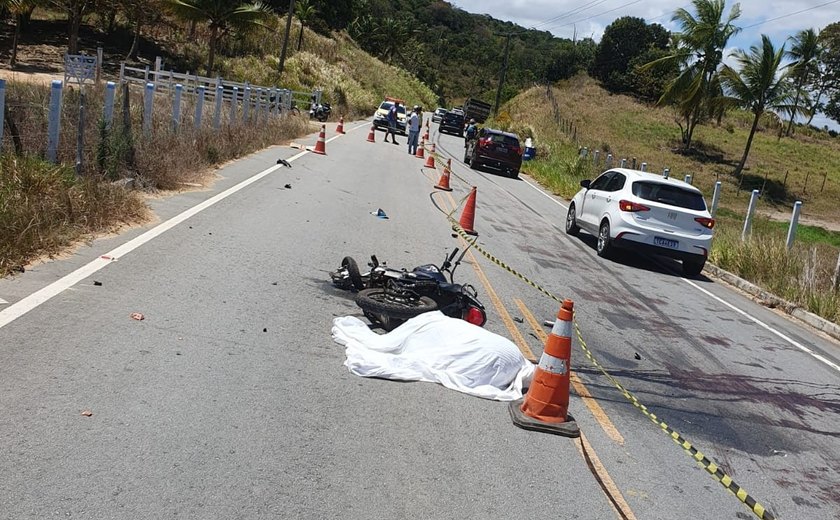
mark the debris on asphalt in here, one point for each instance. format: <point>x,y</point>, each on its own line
<point>288,186</point>
<point>273,283</point>
<point>19,269</point>
<point>284,162</point>
<point>97,283</point>
<point>106,257</point>
<point>517,319</point>
<point>265,330</point>
<point>637,356</point>
<point>87,413</point>
<point>379,213</point>
<point>137,316</point>
<point>548,323</point>
<point>454,235</point>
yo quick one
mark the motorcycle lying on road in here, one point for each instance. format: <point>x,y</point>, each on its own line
<point>320,111</point>
<point>390,296</point>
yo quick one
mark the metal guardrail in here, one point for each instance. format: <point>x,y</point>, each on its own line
<point>166,80</point>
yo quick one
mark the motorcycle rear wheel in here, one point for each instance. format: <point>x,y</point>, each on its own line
<point>388,311</point>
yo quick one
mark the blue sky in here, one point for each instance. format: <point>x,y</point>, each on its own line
<point>778,19</point>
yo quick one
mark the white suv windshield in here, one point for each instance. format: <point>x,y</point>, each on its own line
<point>386,105</point>
<point>668,194</point>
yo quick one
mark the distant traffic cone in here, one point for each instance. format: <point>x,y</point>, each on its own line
<point>468,215</point>
<point>545,408</point>
<point>443,183</point>
<point>340,128</point>
<point>321,145</point>
<point>421,150</point>
<point>372,134</point>
<point>430,161</point>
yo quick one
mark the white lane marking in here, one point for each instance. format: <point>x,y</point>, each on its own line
<point>793,342</point>
<point>3,302</point>
<point>758,322</point>
<point>35,299</point>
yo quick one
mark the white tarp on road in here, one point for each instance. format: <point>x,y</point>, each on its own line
<point>436,348</point>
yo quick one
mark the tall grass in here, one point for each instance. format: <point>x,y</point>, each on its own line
<point>44,207</point>
<point>802,275</point>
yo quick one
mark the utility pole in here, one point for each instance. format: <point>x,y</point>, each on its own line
<point>502,73</point>
<point>286,38</point>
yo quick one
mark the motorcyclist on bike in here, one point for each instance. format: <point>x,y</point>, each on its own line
<point>471,132</point>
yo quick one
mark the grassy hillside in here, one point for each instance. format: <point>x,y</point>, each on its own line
<point>627,128</point>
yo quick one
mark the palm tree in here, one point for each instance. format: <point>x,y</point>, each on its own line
<point>760,84</point>
<point>698,49</point>
<point>221,16</point>
<point>304,12</point>
<point>805,53</point>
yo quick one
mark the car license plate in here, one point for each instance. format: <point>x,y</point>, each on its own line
<point>501,149</point>
<point>666,242</point>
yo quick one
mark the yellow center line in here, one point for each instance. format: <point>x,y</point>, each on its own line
<point>616,499</point>
<point>590,402</point>
<point>497,302</point>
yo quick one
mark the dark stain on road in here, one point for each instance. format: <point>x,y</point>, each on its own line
<point>716,340</point>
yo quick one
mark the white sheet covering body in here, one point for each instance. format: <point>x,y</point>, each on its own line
<point>435,348</point>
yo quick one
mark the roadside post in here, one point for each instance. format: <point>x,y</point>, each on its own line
<point>148,101</point>
<point>688,179</point>
<point>108,110</point>
<point>199,107</point>
<point>666,173</point>
<point>643,167</point>
<point>596,156</point>
<point>715,198</point>
<point>608,162</point>
<point>624,163</point>
<point>748,221</point>
<point>794,221</point>
<point>54,124</point>
<point>176,107</point>
<point>234,99</point>
<point>2,109</point>
<point>246,104</point>
<point>217,115</point>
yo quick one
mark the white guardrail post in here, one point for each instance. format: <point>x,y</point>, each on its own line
<point>148,102</point>
<point>794,221</point>
<point>54,125</point>
<point>176,107</point>
<point>715,198</point>
<point>2,109</point>
<point>108,109</point>
<point>199,106</point>
<point>750,210</point>
<point>217,115</point>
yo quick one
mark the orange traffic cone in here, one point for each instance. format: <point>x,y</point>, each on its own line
<point>372,134</point>
<point>443,183</point>
<point>545,408</point>
<point>340,128</point>
<point>468,215</point>
<point>321,145</point>
<point>421,150</point>
<point>430,161</point>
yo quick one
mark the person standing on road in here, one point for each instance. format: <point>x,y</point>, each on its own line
<point>413,130</point>
<point>392,123</point>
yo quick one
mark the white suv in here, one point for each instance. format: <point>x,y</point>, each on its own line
<point>636,210</point>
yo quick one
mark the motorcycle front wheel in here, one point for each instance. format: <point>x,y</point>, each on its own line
<point>391,312</point>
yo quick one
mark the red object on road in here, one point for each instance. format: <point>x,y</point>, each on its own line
<point>468,215</point>
<point>321,145</point>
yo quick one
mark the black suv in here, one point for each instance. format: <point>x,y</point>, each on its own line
<point>452,123</point>
<point>495,149</point>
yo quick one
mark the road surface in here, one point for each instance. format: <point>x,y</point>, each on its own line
<point>230,400</point>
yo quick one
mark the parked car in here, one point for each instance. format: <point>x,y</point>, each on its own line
<point>380,119</point>
<point>644,212</point>
<point>437,115</point>
<point>452,123</point>
<point>494,149</point>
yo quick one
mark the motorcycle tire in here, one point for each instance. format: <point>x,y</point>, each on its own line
<point>376,302</point>
<point>353,272</point>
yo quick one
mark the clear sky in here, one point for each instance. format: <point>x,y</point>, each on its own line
<point>778,19</point>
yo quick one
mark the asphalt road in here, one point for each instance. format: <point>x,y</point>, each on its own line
<point>230,400</point>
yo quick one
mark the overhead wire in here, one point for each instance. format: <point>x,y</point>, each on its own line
<point>790,14</point>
